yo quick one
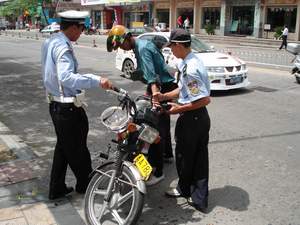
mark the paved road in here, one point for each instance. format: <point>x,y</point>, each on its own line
<point>254,157</point>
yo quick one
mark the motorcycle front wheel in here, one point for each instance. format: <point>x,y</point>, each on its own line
<point>125,204</point>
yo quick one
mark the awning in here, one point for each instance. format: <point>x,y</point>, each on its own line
<point>98,2</point>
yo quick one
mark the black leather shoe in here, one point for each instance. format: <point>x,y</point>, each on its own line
<point>62,194</point>
<point>202,209</point>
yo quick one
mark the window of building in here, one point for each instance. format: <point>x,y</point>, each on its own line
<point>280,16</point>
<point>211,16</point>
<point>163,16</point>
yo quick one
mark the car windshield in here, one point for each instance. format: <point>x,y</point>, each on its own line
<point>199,46</point>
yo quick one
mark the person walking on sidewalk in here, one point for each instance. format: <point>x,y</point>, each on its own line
<point>193,123</point>
<point>154,70</point>
<point>284,36</point>
<point>63,85</point>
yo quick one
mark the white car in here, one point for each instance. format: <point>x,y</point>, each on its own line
<point>54,27</point>
<point>225,71</point>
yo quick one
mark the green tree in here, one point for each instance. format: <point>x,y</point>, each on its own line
<point>18,7</point>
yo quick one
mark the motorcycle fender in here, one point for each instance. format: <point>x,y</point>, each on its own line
<point>139,180</point>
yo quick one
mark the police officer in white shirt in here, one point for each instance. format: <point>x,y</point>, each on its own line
<point>284,36</point>
<point>64,87</point>
<point>193,123</point>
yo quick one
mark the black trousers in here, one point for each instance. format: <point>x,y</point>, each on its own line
<point>192,136</point>
<point>71,127</point>
<point>164,147</point>
<point>284,42</point>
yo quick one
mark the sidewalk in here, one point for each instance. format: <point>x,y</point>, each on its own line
<point>23,191</point>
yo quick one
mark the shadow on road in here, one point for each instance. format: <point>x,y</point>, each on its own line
<point>241,91</point>
<point>230,197</point>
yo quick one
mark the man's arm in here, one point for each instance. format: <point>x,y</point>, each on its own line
<point>167,96</point>
<point>65,68</point>
<point>176,108</point>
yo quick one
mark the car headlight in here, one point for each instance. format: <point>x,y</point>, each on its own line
<point>244,67</point>
<point>215,69</point>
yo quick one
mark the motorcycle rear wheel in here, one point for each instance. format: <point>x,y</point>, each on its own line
<point>126,203</point>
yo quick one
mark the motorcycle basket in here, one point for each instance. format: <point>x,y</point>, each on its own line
<point>115,118</point>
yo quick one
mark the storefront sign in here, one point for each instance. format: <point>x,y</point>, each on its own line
<point>136,24</point>
<point>281,2</point>
<point>137,8</point>
<point>212,3</point>
<point>267,26</point>
<point>162,5</point>
<point>97,2</point>
<point>185,4</point>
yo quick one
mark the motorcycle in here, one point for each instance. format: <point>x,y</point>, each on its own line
<point>295,50</point>
<point>117,187</point>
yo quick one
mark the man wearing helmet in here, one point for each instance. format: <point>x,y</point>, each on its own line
<point>151,63</point>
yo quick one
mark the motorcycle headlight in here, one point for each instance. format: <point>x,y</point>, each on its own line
<point>215,69</point>
<point>115,118</point>
<point>148,134</point>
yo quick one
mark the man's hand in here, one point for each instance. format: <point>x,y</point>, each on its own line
<point>176,108</point>
<point>159,97</point>
<point>105,83</point>
<point>155,98</point>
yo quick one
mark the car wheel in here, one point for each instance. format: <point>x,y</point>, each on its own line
<point>128,68</point>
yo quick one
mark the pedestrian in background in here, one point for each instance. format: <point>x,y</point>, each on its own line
<point>64,87</point>
<point>154,70</point>
<point>284,36</point>
<point>193,123</point>
<point>179,22</point>
<point>186,23</point>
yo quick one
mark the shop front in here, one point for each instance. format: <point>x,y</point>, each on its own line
<point>283,12</point>
<point>241,17</point>
<point>185,9</point>
<point>137,14</point>
<point>161,12</point>
<point>210,16</point>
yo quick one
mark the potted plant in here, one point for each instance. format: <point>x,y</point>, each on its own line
<point>210,29</point>
<point>278,32</point>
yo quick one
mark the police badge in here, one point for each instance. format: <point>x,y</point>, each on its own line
<point>194,87</point>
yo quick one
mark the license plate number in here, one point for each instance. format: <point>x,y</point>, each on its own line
<point>143,166</point>
<point>235,80</point>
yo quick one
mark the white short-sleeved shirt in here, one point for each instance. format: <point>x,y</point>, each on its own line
<point>59,65</point>
<point>285,31</point>
<point>193,79</point>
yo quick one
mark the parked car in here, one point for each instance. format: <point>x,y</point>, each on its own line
<point>2,26</point>
<point>135,31</point>
<point>54,27</point>
<point>225,71</point>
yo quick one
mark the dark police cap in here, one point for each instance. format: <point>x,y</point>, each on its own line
<point>179,36</point>
<point>74,16</point>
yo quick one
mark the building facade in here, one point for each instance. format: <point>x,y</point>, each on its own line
<point>256,18</point>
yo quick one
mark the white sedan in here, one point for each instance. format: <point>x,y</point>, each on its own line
<point>225,71</point>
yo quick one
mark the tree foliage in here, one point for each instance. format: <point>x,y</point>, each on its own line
<point>18,7</point>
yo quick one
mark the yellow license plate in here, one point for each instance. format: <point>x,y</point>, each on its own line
<point>143,166</point>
